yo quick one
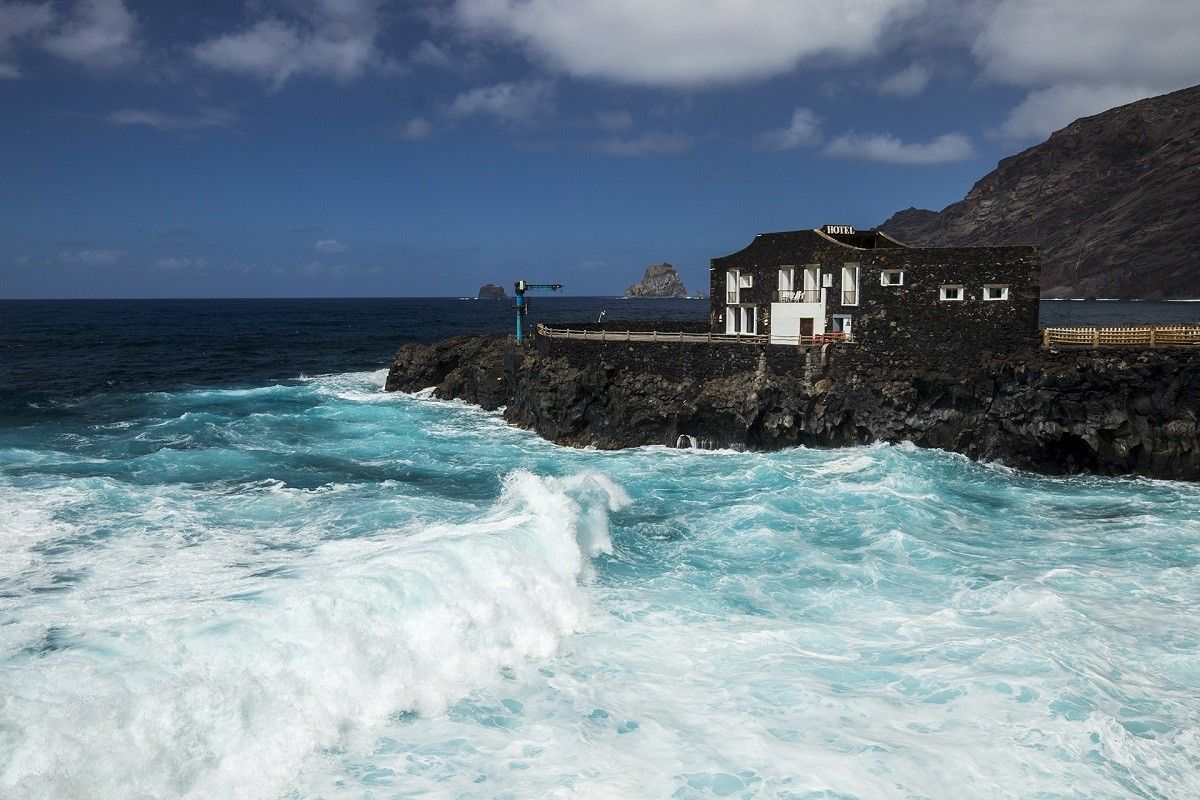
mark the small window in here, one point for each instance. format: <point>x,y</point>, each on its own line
<point>746,281</point>
<point>891,277</point>
<point>953,293</point>
<point>995,291</point>
<point>827,280</point>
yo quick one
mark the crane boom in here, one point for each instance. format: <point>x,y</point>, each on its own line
<point>519,290</point>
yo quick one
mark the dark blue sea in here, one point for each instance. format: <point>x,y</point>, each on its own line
<point>231,566</point>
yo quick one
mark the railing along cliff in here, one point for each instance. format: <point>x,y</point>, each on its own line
<point>695,338</point>
<point>1137,336</point>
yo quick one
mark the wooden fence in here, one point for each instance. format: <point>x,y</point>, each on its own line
<point>695,338</point>
<point>1129,336</point>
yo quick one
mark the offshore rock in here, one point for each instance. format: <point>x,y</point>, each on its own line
<point>490,291</point>
<point>660,280</point>
<point>1110,412</point>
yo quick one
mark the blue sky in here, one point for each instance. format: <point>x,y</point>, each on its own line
<point>361,148</point>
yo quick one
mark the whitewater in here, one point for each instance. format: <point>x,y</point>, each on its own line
<point>313,589</point>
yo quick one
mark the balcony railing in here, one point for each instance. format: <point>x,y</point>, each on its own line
<point>801,296</point>
<point>731,298</point>
<point>849,298</point>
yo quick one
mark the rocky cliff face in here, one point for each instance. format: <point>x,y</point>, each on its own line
<point>661,280</point>
<point>1113,199</point>
<point>1108,412</point>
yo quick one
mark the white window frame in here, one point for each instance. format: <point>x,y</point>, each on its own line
<point>787,279</point>
<point>988,287</point>
<point>850,270</point>
<point>883,277</point>
<point>959,288</point>
<point>745,281</point>
<point>827,280</point>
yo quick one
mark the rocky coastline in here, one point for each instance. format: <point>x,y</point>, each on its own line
<point>1108,412</point>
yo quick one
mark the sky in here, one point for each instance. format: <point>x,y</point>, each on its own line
<point>306,148</point>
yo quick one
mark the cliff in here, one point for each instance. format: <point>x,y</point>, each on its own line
<point>1113,412</point>
<point>661,280</point>
<point>490,291</point>
<point>1113,199</point>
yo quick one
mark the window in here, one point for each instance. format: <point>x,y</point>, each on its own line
<point>786,279</point>
<point>745,281</point>
<point>995,291</point>
<point>953,293</point>
<point>891,277</point>
<point>827,280</point>
<point>850,285</point>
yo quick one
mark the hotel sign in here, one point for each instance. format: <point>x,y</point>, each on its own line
<point>843,229</point>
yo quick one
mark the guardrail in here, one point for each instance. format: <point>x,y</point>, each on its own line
<point>1127,336</point>
<point>693,338</point>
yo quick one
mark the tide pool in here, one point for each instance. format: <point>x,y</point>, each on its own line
<point>311,589</point>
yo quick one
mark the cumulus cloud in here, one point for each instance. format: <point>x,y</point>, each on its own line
<point>889,149</point>
<point>804,130</point>
<point>330,246</point>
<point>330,38</point>
<point>91,258</point>
<point>415,129</point>
<point>908,82</point>
<point>1033,42</point>
<point>683,43</point>
<point>510,102</point>
<point>19,21</point>
<point>100,34</point>
<point>1044,111</point>
<point>166,121</point>
<point>649,143</point>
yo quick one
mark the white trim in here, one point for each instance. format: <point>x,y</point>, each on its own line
<point>883,277</point>
<point>1003,287</point>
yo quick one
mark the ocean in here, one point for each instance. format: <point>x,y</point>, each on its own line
<point>232,567</point>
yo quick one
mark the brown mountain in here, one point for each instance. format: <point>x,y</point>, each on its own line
<point>1113,199</point>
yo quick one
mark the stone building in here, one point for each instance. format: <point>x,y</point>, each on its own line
<point>837,283</point>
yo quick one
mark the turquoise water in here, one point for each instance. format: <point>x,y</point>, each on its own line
<point>313,589</point>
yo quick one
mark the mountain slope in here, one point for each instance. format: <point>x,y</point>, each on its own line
<point>1114,200</point>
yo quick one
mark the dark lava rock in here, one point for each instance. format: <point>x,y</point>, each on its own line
<point>1111,412</point>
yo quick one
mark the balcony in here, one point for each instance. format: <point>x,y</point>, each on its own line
<point>849,298</point>
<point>732,298</point>
<point>801,296</point>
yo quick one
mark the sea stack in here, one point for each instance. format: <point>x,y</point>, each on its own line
<point>660,280</point>
<point>490,291</point>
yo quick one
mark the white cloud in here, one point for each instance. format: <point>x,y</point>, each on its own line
<point>100,34</point>
<point>165,121</point>
<point>511,102</point>
<point>18,21</point>
<point>650,143</point>
<point>685,43</point>
<point>91,258</point>
<point>891,150</point>
<point>416,128</point>
<point>180,264</point>
<point>908,82</point>
<point>804,129</point>
<point>1044,111</point>
<point>1091,42</point>
<point>332,39</point>
<point>619,120</point>
<point>430,55</point>
<point>330,246</point>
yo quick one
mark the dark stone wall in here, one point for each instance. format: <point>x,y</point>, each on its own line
<point>908,321</point>
<point>670,325</point>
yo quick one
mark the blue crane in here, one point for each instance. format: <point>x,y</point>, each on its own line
<point>519,289</point>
